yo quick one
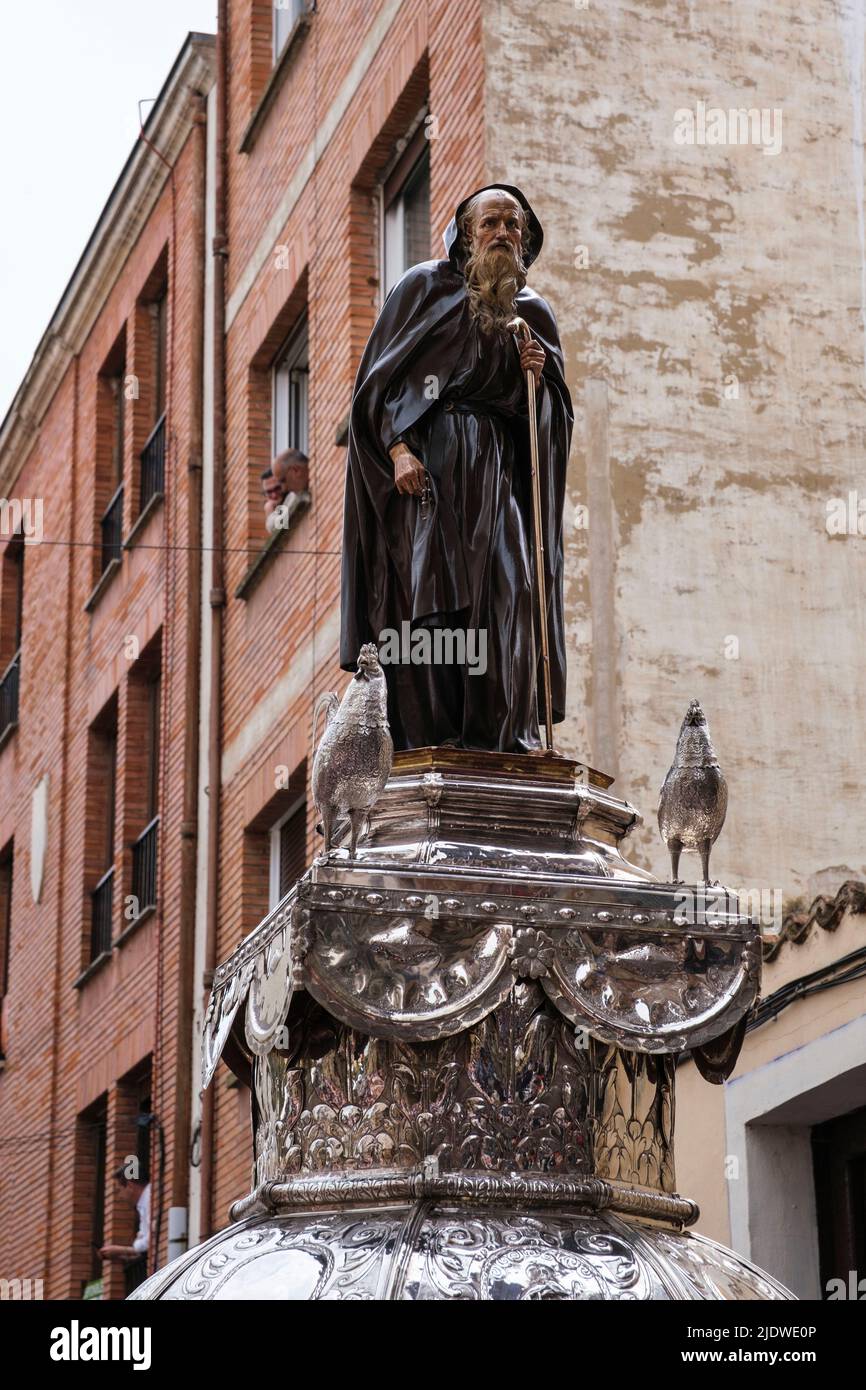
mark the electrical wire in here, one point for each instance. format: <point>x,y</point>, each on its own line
<point>47,1135</point>
<point>838,972</point>
<point>201,549</point>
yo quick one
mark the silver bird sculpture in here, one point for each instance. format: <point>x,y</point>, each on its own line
<point>694,797</point>
<point>353,760</point>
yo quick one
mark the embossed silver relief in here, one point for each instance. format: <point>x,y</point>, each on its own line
<point>279,1096</point>
<point>531,953</point>
<point>407,976</point>
<point>270,992</point>
<point>530,1110</point>
<point>703,1269</point>
<point>634,1118</point>
<point>660,994</point>
<point>515,1093</point>
<point>470,1187</point>
<point>403,973</point>
<point>332,1257</point>
<point>399,974</point>
<point>437,1251</point>
<point>222,1008</point>
<point>517,1258</point>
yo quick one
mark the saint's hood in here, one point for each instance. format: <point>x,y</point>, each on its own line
<point>454,243</point>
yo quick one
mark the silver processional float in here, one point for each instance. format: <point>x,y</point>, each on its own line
<point>461,1027</point>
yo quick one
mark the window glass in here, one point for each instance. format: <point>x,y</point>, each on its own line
<point>153,698</point>
<point>406,223</point>
<point>118,427</point>
<point>160,327</point>
<point>6,861</point>
<point>290,412</point>
<point>288,853</point>
<point>286,15</point>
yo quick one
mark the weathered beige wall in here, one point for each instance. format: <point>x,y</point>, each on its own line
<point>707,515</point>
<point>700,1115</point>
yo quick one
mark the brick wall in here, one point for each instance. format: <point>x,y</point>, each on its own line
<point>68,1047</point>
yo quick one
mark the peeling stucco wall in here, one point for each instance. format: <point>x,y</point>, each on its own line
<point>702,1142</point>
<point>714,327</point>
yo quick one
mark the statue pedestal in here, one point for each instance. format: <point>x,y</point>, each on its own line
<point>462,1044</point>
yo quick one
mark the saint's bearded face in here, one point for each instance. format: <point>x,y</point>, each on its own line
<point>494,225</point>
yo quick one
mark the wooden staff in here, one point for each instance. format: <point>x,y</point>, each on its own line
<point>520,329</point>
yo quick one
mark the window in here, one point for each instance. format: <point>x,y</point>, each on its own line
<point>11,613</point>
<point>406,211</point>
<point>135,1110</point>
<point>275,32</point>
<point>140,1086</point>
<point>286,15</point>
<point>839,1162</point>
<point>290,395</point>
<point>116,387</point>
<point>99,849</point>
<point>274,847</point>
<point>88,1196</point>
<point>141,799</point>
<point>6,862</point>
<point>144,850</point>
<point>379,187</point>
<point>16,559</point>
<point>154,687</point>
<point>152,456</point>
<point>288,852</point>
<point>159,309</point>
<point>110,454</point>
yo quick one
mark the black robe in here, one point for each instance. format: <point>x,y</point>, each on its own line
<point>464,559</point>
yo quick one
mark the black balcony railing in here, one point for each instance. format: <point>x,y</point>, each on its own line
<point>112,529</point>
<point>9,694</point>
<point>102,899</point>
<point>144,866</point>
<point>153,465</point>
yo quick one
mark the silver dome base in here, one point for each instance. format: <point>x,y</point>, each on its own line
<point>436,1250</point>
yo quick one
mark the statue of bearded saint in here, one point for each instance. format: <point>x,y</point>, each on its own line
<point>438,565</point>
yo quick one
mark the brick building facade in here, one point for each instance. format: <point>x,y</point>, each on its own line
<point>97,767</point>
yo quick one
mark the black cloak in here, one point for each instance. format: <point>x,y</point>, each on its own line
<point>430,377</point>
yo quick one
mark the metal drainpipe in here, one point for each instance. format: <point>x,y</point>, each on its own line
<point>217,591</point>
<point>188,847</point>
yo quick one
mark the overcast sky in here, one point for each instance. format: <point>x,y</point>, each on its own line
<point>71,75</point>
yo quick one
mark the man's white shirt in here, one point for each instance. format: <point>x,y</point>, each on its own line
<point>142,1236</point>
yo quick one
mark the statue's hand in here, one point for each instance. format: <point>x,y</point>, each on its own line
<point>409,472</point>
<point>532,358</point>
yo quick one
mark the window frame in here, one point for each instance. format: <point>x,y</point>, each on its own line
<point>7,875</point>
<point>159,309</point>
<point>102,820</point>
<point>295,11</point>
<point>118,426</point>
<point>153,696</point>
<point>274,848</point>
<point>392,192</point>
<point>91,1144</point>
<point>109,827</point>
<point>296,346</point>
